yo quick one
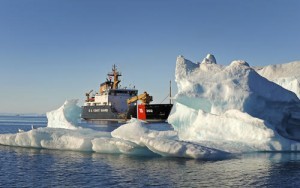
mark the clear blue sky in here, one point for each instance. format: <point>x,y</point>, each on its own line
<point>52,50</point>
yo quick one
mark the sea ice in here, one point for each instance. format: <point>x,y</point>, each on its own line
<point>134,138</point>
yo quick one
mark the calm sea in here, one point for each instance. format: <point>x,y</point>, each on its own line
<point>26,167</point>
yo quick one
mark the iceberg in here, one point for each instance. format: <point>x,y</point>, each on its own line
<point>67,116</point>
<point>233,108</point>
<point>219,111</point>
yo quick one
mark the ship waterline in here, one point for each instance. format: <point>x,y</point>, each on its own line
<point>149,113</point>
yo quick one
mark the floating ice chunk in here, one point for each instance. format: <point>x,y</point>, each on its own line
<point>54,138</point>
<point>66,116</point>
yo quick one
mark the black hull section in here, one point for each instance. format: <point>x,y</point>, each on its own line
<point>150,113</point>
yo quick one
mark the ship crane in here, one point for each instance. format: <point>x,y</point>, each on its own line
<point>145,98</point>
<point>88,96</point>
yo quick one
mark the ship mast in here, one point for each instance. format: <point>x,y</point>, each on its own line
<point>116,75</point>
<point>170,92</point>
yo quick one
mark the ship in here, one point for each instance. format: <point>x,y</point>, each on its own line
<point>116,104</point>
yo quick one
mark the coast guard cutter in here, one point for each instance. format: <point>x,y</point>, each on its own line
<point>113,103</point>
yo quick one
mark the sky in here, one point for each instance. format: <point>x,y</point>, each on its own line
<point>53,50</point>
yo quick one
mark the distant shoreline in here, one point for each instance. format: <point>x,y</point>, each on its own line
<point>22,115</point>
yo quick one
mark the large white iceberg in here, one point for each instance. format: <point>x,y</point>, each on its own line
<point>233,108</point>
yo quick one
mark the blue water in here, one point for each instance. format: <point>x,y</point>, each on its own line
<point>26,167</point>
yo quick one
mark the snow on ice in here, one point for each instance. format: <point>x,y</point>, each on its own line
<point>286,75</point>
<point>218,110</point>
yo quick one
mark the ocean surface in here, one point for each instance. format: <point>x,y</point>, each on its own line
<point>27,167</point>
